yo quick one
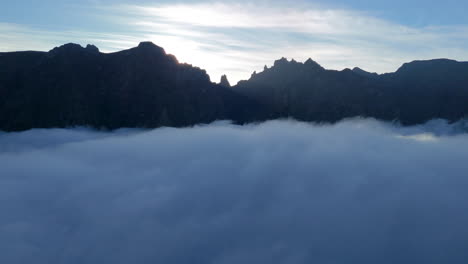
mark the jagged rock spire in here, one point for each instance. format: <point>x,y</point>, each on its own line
<point>224,81</point>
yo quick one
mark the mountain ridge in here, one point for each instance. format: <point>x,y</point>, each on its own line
<point>143,86</point>
<point>139,87</point>
<point>416,92</point>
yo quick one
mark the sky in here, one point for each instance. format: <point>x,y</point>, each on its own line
<point>239,37</point>
<point>359,191</point>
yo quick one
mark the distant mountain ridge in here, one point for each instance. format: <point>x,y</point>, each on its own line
<point>145,87</point>
<point>418,91</point>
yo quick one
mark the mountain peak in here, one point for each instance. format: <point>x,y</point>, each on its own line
<point>362,72</point>
<point>148,44</point>
<point>73,47</point>
<point>150,47</point>
<point>67,47</point>
<point>224,81</point>
<point>92,48</point>
<point>311,63</point>
<point>282,61</point>
<point>422,65</point>
<point>433,70</point>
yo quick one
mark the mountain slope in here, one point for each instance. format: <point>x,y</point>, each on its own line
<point>140,87</point>
<point>417,92</point>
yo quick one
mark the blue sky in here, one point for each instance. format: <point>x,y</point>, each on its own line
<point>238,37</point>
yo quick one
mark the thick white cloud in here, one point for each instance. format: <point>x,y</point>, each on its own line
<point>359,191</point>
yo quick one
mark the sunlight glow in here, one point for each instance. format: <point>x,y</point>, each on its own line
<point>423,137</point>
<point>237,39</point>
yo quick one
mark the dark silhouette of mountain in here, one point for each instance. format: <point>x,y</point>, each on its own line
<point>145,87</point>
<point>224,82</point>
<point>139,87</point>
<point>365,73</point>
<point>415,93</point>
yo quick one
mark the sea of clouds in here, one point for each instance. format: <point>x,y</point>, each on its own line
<point>359,191</point>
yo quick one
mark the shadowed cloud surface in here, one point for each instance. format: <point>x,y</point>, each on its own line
<point>358,191</point>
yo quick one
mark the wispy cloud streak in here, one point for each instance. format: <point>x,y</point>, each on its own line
<point>236,39</point>
<point>259,34</point>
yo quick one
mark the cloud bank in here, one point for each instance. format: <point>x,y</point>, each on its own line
<point>359,191</point>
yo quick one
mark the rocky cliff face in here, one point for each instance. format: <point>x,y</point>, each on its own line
<point>145,87</point>
<point>417,92</point>
<point>140,87</point>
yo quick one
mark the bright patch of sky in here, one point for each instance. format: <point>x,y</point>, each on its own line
<point>239,37</point>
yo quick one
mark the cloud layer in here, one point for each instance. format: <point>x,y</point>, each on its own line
<point>359,191</point>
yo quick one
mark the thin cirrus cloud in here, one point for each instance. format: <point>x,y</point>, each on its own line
<point>18,37</point>
<point>238,38</point>
<point>358,191</point>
